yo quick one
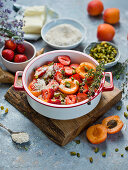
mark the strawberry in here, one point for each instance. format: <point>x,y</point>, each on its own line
<point>9,44</point>
<point>58,76</point>
<point>53,84</point>
<point>8,54</point>
<point>20,58</point>
<point>54,101</point>
<point>20,48</point>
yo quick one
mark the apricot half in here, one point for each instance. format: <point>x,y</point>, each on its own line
<point>113,124</point>
<point>83,69</point>
<point>69,86</point>
<point>97,133</point>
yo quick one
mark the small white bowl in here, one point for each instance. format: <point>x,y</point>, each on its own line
<point>30,52</point>
<point>108,65</point>
<point>57,22</point>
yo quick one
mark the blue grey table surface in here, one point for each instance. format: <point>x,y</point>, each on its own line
<point>42,153</point>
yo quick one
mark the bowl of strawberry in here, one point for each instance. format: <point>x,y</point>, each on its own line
<point>63,84</point>
<point>16,56</point>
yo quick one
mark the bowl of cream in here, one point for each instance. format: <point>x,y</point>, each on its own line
<point>63,33</point>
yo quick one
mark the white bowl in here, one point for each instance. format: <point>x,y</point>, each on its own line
<point>55,111</point>
<point>30,52</point>
<point>56,22</point>
<point>108,65</point>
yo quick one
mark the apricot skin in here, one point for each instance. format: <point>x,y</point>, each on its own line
<point>105,32</point>
<point>111,15</point>
<point>95,7</point>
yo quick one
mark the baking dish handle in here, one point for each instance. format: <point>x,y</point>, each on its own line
<point>16,87</point>
<point>111,87</point>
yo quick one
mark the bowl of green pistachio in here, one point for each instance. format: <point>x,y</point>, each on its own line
<point>104,51</point>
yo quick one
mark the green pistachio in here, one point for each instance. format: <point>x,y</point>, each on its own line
<point>72,153</point>
<point>78,155</point>
<point>77,141</point>
<point>116,150</point>
<point>125,115</point>
<point>127,107</point>
<point>67,84</point>
<point>73,71</point>
<point>91,160</point>
<point>2,107</point>
<point>118,107</point>
<point>104,154</point>
<point>72,78</point>
<point>126,148</point>
<point>96,150</point>
<point>122,155</point>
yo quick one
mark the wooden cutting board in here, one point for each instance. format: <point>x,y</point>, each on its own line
<point>62,131</point>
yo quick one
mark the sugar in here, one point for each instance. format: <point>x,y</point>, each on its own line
<point>63,35</point>
<point>20,137</point>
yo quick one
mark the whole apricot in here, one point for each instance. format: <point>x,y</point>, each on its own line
<point>111,15</point>
<point>95,7</point>
<point>105,32</point>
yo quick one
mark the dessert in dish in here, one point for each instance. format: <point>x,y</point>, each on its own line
<point>62,82</point>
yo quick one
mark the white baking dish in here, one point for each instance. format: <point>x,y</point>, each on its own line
<point>62,112</point>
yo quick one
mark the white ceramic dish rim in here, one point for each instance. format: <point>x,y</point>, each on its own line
<point>69,19</point>
<point>55,105</point>
<point>20,62</point>
<point>116,58</point>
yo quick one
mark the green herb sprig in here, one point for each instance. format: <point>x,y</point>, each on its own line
<point>97,76</point>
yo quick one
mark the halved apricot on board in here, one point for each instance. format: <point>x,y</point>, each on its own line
<point>113,124</point>
<point>97,133</point>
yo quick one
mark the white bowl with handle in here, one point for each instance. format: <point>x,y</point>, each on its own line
<point>55,111</point>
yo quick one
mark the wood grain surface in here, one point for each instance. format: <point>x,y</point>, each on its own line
<point>62,131</point>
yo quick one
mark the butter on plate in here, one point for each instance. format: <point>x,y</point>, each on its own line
<point>34,19</point>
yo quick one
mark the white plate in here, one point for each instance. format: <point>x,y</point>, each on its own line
<point>108,65</point>
<point>51,14</point>
<point>56,22</point>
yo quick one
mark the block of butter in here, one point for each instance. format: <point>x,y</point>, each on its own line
<point>34,19</point>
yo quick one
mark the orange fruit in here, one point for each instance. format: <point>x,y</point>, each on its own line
<point>82,71</point>
<point>113,124</point>
<point>95,7</point>
<point>69,86</point>
<point>111,15</point>
<point>97,133</point>
<point>105,32</point>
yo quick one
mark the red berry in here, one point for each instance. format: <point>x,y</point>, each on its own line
<point>20,58</point>
<point>58,67</point>
<point>54,101</point>
<point>53,85</point>
<point>9,44</point>
<point>64,59</point>
<point>47,94</point>
<point>68,70</point>
<point>20,48</point>
<point>8,54</point>
<point>58,76</point>
<point>70,99</point>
